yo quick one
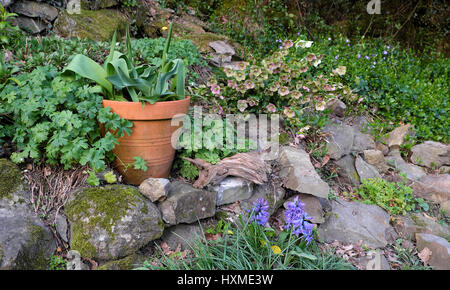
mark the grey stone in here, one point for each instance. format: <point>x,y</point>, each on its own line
<point>25,242</point>
<point>35,10</point>
<point>365,170</point>
<point>433,187</point>
<point>337,107</point>
<point>362,142</point>
<point>186,204</point>
<point>347,169</point>
<point>409,225</point>
<point>350,222</point>
<point>369,264</point>
<point>412,171</point>
<point>440,250</point>
<point>340,140</point>
<point>221,47</point>
<point>232,189</point>
<point>397,136</point>
<point>112,222</point>
<point>6,3</point>
<point>182,234</point>
<point>62,228</point>
<point>376,159</point>
<point>273,194</point>
<point>299,174</point>
<point>431,154</point>
<point>156,189</point>
<point>312,206</point>
<point>31,25</point>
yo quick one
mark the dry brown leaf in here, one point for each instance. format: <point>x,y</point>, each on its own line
<point>212,237</point>
<point>425,255</point>
<point>325,160</point>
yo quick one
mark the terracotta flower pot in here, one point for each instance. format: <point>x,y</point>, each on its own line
<point>150,138</point>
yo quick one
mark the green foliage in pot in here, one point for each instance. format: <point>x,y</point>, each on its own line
<point>120,79</point>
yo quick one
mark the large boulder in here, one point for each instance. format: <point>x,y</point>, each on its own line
<point>299,174</point>
<point>350,222</point>
<point>186,204</point>
<point>30,25</point>
<point>34,9</point>
<point>112,222</point>
<point>25,242</point>
<point>440,250</point>
<point>431,154</point>
<point>95,25</point>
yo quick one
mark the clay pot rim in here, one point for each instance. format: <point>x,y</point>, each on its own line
<point>157,111</point>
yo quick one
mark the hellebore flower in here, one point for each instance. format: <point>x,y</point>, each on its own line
<point>242,105</point>
<point>271,108</point>
<point>215,89</point>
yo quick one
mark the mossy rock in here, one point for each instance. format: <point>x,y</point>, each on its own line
<point>96,25</point>
<point>10,178</point>
<point>25,242</point>
<point>112,222</point>
<point>98,4</point>
<point>128,263</point>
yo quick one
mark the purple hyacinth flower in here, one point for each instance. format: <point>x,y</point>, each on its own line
<point>297,220</point>
<point>260,212</point>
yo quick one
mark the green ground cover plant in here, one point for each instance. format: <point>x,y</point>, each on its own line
<point>394,197</point>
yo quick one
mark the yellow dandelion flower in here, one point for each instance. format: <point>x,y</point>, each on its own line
<point>276,250</point>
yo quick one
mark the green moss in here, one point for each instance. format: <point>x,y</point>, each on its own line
<point>102,207</point>
<point>202,40</point>
<point>96,25</point>
<point>33,257</point>
<point>127,263</point>
<point>10,178</point>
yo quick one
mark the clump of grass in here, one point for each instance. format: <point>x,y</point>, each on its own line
<point>250,246</point>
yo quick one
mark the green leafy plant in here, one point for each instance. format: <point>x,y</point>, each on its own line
<point>200,140</point>
<point>142,83</point>
<point>5,25</point>
<point>55,120</point>
<point>139,163</point>
<point>57,263</point>
<point>394,197</point>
